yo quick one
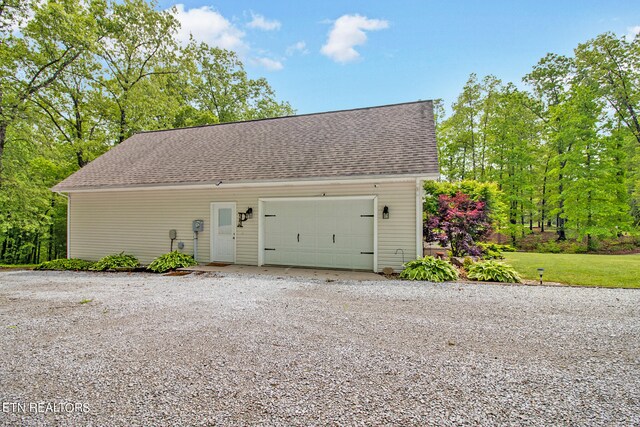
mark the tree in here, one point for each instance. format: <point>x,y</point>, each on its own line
<point>79,76</point>
<point>460,222</point>
<point>33,56</point>
<point>219,88</point>
<point>613,63</point>
<point>459,133</point>
<point>513,155</point>
<point>596,202</point>
<point>551,79</point>
<point>137,43</point>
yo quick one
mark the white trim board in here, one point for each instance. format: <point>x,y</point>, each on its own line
<point>248,184</point>
<point>419,195</point>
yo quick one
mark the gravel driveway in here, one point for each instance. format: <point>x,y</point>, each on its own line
<point>238,350</point>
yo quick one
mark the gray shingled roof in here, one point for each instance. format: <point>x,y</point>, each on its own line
<point>377,141</point>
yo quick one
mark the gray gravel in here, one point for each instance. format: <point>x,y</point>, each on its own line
<point>238,350</point>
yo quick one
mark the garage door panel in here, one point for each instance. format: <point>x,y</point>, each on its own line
<point>307,241</point>
<point>322,233</point>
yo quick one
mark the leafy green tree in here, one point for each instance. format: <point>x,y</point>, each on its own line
<point>76,78</point>
<point>613,63</point>
<point>33,56</point>
<point>137,43</point>
<point>219,88</point>
<point>596,202</point>
<point>551,79</point>
<point>513,157</point>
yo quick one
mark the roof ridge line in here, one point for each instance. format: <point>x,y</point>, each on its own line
<point>286,117</point>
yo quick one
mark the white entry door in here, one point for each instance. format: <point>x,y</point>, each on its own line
<point>223,232</point>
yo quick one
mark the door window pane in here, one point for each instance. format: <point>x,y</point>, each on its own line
<point>224,221</point>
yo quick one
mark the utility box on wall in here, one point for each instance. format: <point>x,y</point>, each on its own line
<point>198,225</point>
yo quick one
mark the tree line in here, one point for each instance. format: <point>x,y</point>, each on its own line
<point>78,77</point>
<point>565,151</point>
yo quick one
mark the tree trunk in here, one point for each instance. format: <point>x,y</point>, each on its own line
<point>559,220</point>
<point>4,248</point>
<point>3,138</point>
<point>123,124</point>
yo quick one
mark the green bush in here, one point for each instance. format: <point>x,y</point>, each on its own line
<point>171,261</point>
<point>116,262</point>
<point>429,268</point>
<point>467,262</point>
<point>573,248</point>
<point>494,250</point>
<point>549,247</point>
<point>493,271</point>
<point>75,264</point>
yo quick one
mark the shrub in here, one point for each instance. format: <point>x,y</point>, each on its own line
<point>460,222</point>
<point>171,261</point>
<point>494,250</point>
<point>467,262</point>
<point>74,264</point>
<point>549,247</point>
<point>493,271</point>
<point>117,261</point>
<point>429,268</point>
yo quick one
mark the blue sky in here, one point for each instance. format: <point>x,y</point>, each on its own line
<point>330,55</point>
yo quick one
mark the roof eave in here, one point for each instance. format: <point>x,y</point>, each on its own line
<point>253,183</point>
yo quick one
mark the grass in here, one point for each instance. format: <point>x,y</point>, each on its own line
<point>19,266</point>
<point>612,271</point>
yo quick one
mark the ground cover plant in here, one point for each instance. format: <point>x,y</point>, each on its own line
<point>171,261</point>
<point>74,264</point>
<point>493,271</point>
<point>116,262</point>
<point>429,269</point>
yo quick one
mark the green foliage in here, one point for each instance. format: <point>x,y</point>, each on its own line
<point>486,192</point>
<point>171,261</point>
<point>493,271</point>
<point>467,262</point>
<point>565,154</point>
<point>116,262</point>
<point>579,269</point>
<point>551,247</point>
<point>74,264</point>
<point>430,269</point>
<point>78,77</point>
<point>494,250</point>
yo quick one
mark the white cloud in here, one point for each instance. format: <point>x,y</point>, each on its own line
<point>261,23</point>
<point>207,25</point>
<point>632,32</point>
<point>268,63</point>
<point>300,46</point>
<point>347,32</point>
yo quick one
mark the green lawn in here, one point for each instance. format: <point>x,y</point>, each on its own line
<point>19,266</point>
<point>616,271</point>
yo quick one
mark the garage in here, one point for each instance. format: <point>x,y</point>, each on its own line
<point>330,232</point>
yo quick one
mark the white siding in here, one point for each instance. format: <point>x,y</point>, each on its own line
<point>138,222</point>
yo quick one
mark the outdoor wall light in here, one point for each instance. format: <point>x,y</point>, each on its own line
<point>243,216</point>
<point>385,212</point>
<point>540,271</point>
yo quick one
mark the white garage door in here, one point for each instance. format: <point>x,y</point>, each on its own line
<point>333,233</point>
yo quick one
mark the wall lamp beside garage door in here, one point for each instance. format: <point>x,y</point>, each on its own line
<point>243,216</point>
<point>385,212</point>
